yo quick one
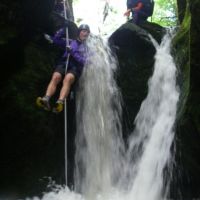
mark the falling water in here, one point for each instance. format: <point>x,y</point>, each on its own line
<point>149,150</point>
<point>99,142</point>
<point>103,170</point>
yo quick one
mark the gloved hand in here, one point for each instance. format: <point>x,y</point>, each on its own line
<point>68,49</point>
<point>48,38</point>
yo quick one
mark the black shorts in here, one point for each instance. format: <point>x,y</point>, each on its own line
<point>72,68</point>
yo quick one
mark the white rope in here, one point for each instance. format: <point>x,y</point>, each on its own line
<point>65,103</point>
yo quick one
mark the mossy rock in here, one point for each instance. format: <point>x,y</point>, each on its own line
<point>186,45</point>
<point>135,52</point>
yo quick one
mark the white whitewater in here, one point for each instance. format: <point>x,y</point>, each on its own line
<point>98,141</point>
<point>104,171</point>
<point>150,144</point>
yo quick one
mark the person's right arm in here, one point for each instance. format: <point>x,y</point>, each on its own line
<point>58,38</point>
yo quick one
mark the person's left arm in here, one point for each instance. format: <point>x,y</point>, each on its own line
<point>76,54</point>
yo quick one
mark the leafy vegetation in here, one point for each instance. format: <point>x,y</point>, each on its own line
<point>165,13</point>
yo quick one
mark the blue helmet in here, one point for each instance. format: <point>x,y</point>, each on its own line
<point>83,27</point>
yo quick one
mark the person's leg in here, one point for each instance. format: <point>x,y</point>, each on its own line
<point>135,16</point>
<point>142,16</point>
<point>55,80</point>
<point>67,83</point>
<point>43,102</point>
<point>139,16</point>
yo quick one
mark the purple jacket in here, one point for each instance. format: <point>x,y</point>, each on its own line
<point>78,49</point>
<point>60,38</point>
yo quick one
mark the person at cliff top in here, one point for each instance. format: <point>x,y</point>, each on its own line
<point>140,9</point>
<point>77,58</point>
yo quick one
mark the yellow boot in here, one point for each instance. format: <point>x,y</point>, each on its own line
<point>59,106</point>
<point>42,102</point>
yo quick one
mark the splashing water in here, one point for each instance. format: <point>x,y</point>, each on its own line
<point>92,12</point>
<point>103,170</point>
<point>98,123</point>
<point>154,134</point>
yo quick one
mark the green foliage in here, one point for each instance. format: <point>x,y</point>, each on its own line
<point>165,13</point>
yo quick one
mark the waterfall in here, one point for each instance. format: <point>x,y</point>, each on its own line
<point>104,170</point>
<point>150,143</point>
<point>99,142</point>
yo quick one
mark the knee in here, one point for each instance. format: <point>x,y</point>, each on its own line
<point>69,79</point>
<point>56,78</point>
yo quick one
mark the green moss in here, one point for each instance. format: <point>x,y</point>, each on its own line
<point>187,57</point>
<point>194,103</point>
<point>186,46</point>
<point>181,47</point>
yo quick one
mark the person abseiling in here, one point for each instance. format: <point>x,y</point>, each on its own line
<point>140,9</point>
<point>77,59</point>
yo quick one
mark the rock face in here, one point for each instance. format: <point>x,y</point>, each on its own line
<point>135,53</point>
<point>31,141</point>
<point>186,45</point>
